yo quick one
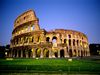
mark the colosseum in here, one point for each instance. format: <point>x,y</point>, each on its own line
<point>30,41</point>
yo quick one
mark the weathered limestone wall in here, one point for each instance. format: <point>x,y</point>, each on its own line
<point>29,41</point>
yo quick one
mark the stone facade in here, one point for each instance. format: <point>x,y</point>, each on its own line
<point>30,41</point>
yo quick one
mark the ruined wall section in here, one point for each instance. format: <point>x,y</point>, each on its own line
<point>28,40</point>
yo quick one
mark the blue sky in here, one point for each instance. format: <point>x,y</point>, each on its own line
<point>80,15</point>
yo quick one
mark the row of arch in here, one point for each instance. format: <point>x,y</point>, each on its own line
<point>31,39</point>
<point>46,53</point>
<point>70,42</point>
<point>23,30</point>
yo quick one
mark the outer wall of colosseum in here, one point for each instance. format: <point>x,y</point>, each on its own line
<point>30,41</point>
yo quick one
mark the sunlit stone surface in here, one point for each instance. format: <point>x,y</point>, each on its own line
<point>30,41</point>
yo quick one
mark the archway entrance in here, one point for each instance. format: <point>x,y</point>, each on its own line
<point>19,53</point>
<point>56,54</point>
<point>54,41</point>
<point>81,53</point>
<point>78,52</point>
<point>38,52</point>
<point>15,53</point>
<point>24,55</point>
<point>62,53</point>
<point>47,39</point>
<point>70,52</point>
<point>46,53</point>
<point>74,53</point>
<point>30,53</point>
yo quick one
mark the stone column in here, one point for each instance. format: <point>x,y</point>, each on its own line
<point>41,56</point>
<point>26,52</point>
<point>62,40</point>
<point>17,53</point>
<point>67,55</point>
<point>79,47</point>
<point>58,39</point>
<point>21,53</point>
<point>72,46</point>
<point>76,51</point>
<point>50,39</point>
<point>67,45</point>
<point>80,52</point>
<point>76,47</point>
<point>65,52</point>
<point>53,53</point>
<point>83,49</point>
<point>35,38</point>
<point>33,52</point>
<point>59,53</point>
<point>50,53</point>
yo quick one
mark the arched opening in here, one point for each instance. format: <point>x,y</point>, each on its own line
<point>69,42</point>
<point>46,53</point>
<point>39,39</point>
<point>64,40</point>
<point>69,36</point>
<point>78,52</point>
<point>62,53</point>
<point>70,52</point>
<point>38,52</point>
<point>74,53</point>
<point>17,40</point>
<point>56,54</point>
<point>77,42</point>
<point>81,53</point>
<point>82,38</point>
<point>54,41</point>
<point>73,42</point>
<point>47,39</point>
<point>25,39</point>
<point>67,49</point>
<point>31,39</point>
<point>30,53</point>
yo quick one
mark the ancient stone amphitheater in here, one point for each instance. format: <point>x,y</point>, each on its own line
<point>30,41</point>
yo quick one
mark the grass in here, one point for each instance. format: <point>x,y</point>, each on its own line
<point>58,65</point>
